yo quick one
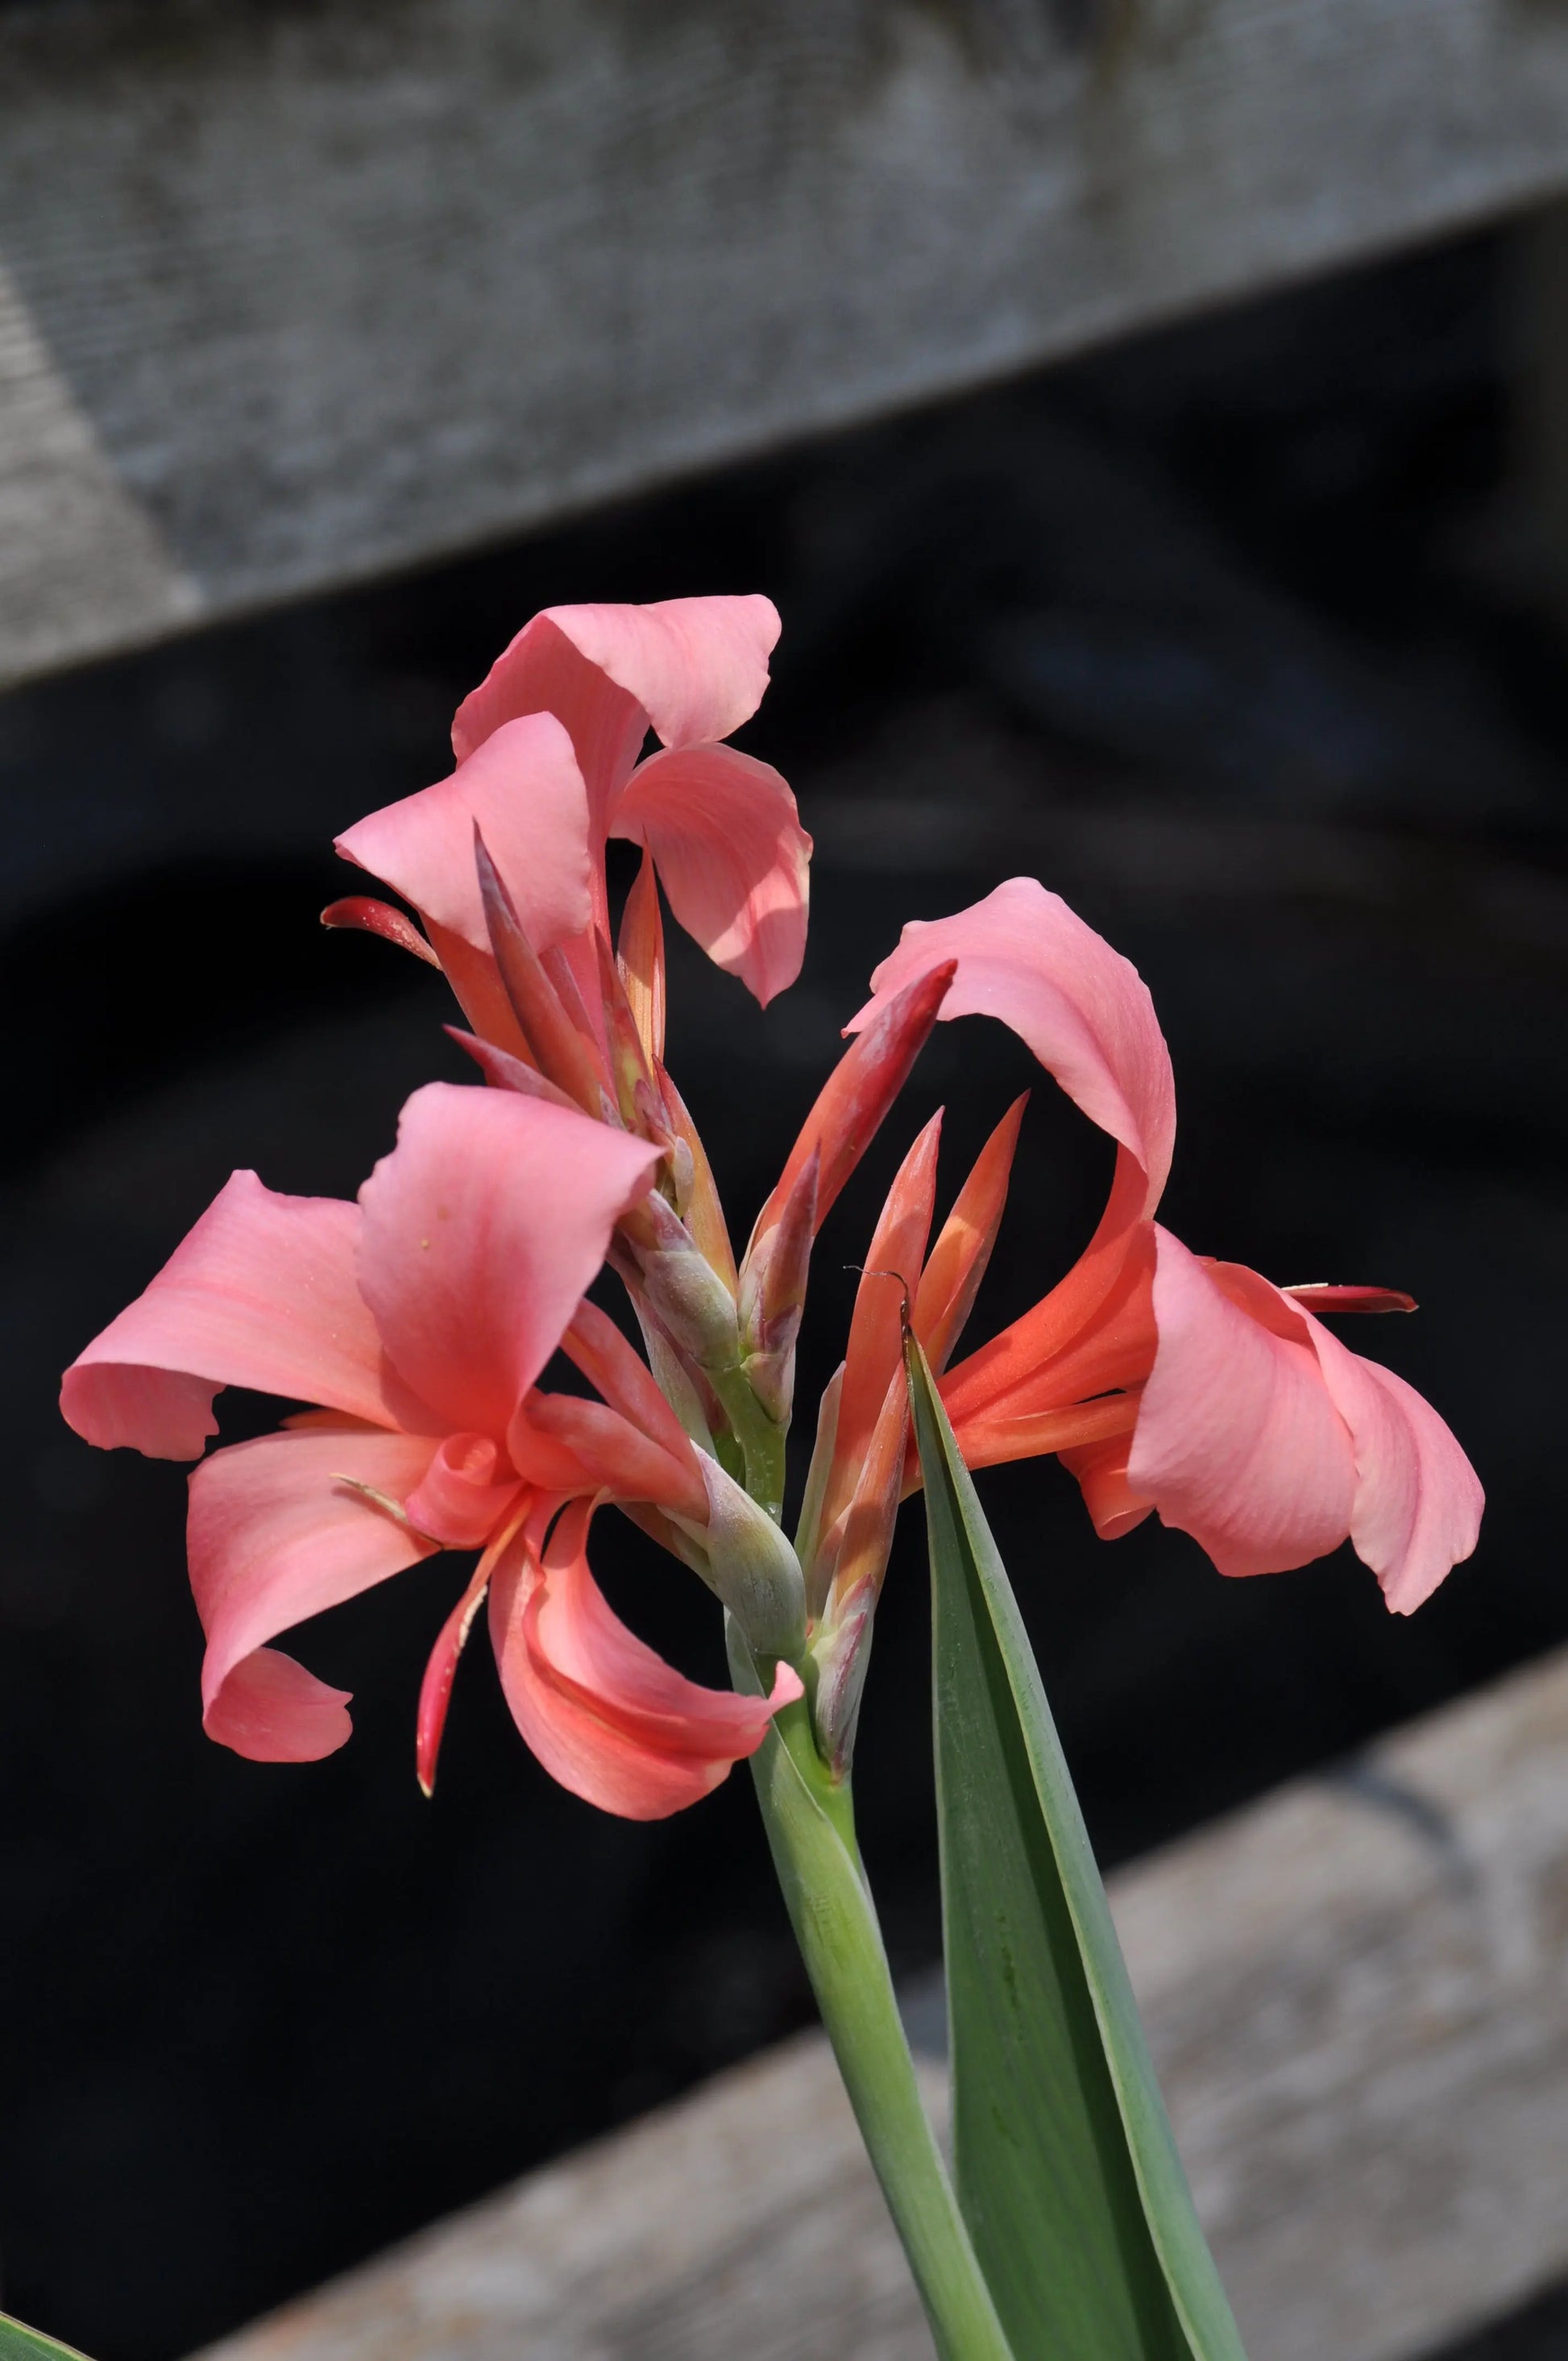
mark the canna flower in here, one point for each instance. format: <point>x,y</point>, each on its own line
<point>1166,1382</point>
<point>418,1321</point>
<point>548,767</point>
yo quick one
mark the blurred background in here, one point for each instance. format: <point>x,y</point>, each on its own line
<point>1244,633</point>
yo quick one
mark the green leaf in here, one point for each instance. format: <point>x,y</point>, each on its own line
<point>20,2343</point>
<point>1067,2170</point>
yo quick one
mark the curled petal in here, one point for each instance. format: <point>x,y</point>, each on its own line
<point>262,1292</point>
<point>482,1229</point>
<point>695,668</point>
<point>731,856</point>
<point>1238,1441</point>
<point>281,1529</point>
<point>525,790</point>
<point>441,1671</point>
<point>1025,957</point>
<point>1101,1472</point>
<point>604,1714</point>
<point>1417,1500</point>
<point>465,1493</point>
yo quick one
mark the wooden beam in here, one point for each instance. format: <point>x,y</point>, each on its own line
<point>1357,1996</point>
<point>319,292</point>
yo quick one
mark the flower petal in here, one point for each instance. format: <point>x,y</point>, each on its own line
<point>525,792</point>
<point>731,856</point>
<point>278,1531</point>
<point>695,668</point>
<point>1025,957</point>
<point>482,1230</point>
<point>261,1294</point>
<point>1238,1441</point>
<point>604,1714</point>
<point>1417,1500</point>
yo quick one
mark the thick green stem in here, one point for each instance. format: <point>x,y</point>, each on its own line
<point>810,1827</point>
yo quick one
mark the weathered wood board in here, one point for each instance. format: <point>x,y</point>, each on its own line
<point>1357,1995</point>
<point>292,295</point>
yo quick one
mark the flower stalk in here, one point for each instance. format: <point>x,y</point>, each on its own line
<point>809,1819</point>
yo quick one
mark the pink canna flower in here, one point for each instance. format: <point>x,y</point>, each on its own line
<point>547,750</point>
<point>1168,1383</point>
<point>420,1319</point>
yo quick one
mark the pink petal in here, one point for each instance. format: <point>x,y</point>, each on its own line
<point>1025,957</point>
<point>276,1534</point>
<point>604,1714</point>
<point>695,668</point>
<point>1417,1500</point>
<point>731,856</point>
<point>271,1710</point>
<point>463,1494</point>
<point>482,1230</point>
<point>1238,1441</point>
<point>261,1294</point>
<point>525,790</point>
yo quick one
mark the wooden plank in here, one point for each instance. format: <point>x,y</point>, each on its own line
<point>1357,1995</point>
<point>339,289</point>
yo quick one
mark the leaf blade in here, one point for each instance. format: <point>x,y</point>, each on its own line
<point>20,2343</point>
<point>1066,2164</point>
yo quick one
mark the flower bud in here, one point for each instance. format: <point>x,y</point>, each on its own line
<point>752,1567</point>
<point>772,1294</point>
<point>682,1290</point>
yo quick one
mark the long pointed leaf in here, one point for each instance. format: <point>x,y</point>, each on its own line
<point>1066,2169</point>
<point>20,2343</point>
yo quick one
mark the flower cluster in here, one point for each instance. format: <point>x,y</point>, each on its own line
<point>418,1322</point>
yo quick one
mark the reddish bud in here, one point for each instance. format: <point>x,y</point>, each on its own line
<point>859,1092</point>
<point>957,1264</point>
<point>1316,1298</point>
<point>558,1048</point>
<point>371,917</point>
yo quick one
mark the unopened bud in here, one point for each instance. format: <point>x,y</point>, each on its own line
<point>752,1567</point>
<point>772,1294</point>
<point>685,1292</point>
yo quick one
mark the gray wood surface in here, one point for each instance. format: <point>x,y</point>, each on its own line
<point>1357,1996</point>
<point>290,296</point>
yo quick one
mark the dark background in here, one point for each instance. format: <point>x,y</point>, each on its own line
<point>1240,638</point>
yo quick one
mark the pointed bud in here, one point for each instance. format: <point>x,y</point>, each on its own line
<point>859,1092</point>
<point>630,1070</point>
<point>951,1278</point>
<point>1317,1296</point>
<point>753,1568</point>
<point>856,1548</point>
<point>640,955</point>
<point>557,1047</point>
<point>683,1290</point>
<point>808,1532</point>
<point>505,1072</point>
<point>370,918</point>
<point>773,1295</point>
<point>696,1192</point>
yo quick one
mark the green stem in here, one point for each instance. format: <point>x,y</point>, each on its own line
<point>810,1826</point>
<point>761,1439</point>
